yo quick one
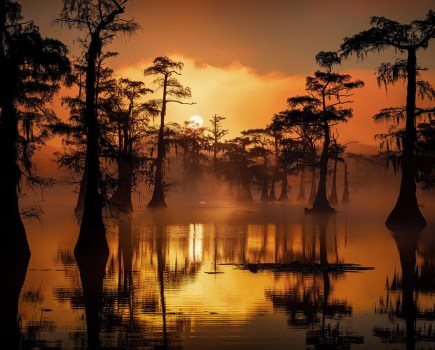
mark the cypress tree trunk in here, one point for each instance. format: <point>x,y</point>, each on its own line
<point>158,197</point>
<point>122,196</point>
<point>406,211</point>
<point>333,198</point>
<point>92,230</point>
<point>301,193</point>
<point>14,239</point>
<point>244,189</point>
<point>313,186</point>
<point>345,198</point>
<point>321,203</point>
<point>264,192</point>
<point>78,210</point>
<point>283,197</point>
<point>272,196</point>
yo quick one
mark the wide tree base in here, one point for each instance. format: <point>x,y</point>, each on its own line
<point>319,210</point>
<point>406,214</point>
<point>157,203</point>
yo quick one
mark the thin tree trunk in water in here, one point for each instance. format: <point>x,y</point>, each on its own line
<point>321,203</point>
<point>333,198</point>
<point>406,211</point>
<point>78,210</point>
<point>283,197</point>
<point>92,231</point>
<point>313,186</point>
<point>14,239</point>
<point>301,193</point>
<point>122,196</point>
<point>158,197</point>
<point>345,199</point>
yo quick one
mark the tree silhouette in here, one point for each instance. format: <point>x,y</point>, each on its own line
<point>260,150</point>
<point>335,152</point>
<point>217,133</point>
<point>74,131</point>
<point>31,68</point>
<point>128,118</point>
<point>289,149</point>
<point>426,153</point>
<point>193,142</point>
<point>408,39</point>
<point>101,21</point>
<point>345,197</point>
<point>329,91</point>
<point>275,132</point>
<point>173,91</point>
<point>239,159</point>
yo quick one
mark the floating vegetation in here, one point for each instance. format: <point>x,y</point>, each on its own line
<point>297,266</point>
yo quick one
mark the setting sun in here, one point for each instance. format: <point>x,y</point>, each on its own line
<point>196,121</point>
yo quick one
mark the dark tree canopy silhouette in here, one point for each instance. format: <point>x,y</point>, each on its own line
<point>193,142</point>
<point>239,159</point>
<point>31,68</point>
<point>173,91</point>
<point>406,39</point>
<point>217,133</point>
<point>322,107</point>
<point>128,124</point>
<point>74,131</point>
<point>101,21</point>
<point>331,91</point>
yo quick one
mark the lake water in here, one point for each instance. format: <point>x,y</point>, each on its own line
<point>192,277</point>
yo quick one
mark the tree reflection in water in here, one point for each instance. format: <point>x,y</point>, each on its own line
<point>408,295</point>
<point>125,301</point>
<point>308,300</point>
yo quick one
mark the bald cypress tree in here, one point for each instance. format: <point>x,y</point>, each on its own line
<point>406,39</point>
<point>328,92</point>
<point>101,21</point>
<point>31,69</point>
<point>166,70</point>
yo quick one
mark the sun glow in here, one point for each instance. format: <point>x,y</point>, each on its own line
<point>195,121</point>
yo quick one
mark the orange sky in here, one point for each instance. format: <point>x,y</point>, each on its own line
<point>243,58</point>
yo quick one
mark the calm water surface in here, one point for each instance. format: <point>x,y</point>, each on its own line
<point>173,280</point>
